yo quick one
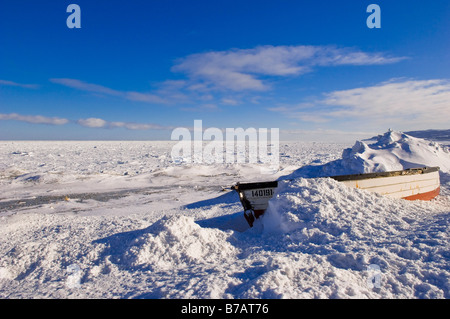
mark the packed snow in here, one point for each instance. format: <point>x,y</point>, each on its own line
<point>123,220</point>
<point>391,151</point>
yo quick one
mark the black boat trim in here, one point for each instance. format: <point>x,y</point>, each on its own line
<point>409,171</point>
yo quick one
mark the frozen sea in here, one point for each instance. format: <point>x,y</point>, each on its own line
<point>94,219</point>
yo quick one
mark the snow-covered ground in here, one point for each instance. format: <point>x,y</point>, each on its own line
<point>122,220</point>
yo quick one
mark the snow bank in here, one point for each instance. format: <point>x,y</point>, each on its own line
<point>318,239</point>
<point>350,232</point>
<point>392,151</point>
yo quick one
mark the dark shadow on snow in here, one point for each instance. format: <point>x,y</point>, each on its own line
<point>236,222</point>
<point>230,197</point>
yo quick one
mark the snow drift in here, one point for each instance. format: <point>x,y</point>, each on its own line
<point>392,151</point>
<point>350,230</point>
<point>178,240</point>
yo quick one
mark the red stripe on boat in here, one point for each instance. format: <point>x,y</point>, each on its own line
<point>424,196</point>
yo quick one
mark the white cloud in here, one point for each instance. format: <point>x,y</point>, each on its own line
<point>416,102</point>
<point>230,101</point>
<point>11,83</point>
<point>92,122</point>
<point>209,107</point>
<point>144,97</point>
<point>34,119</point>
<point>100,123</point>
<point>329,56</point>
<point>244,69</point>
<point>99,89</point>
<point>235,70</point>
<point>426,101</point>
<point>136,126</point>
<point>325,135</point>
<point>83,86</point>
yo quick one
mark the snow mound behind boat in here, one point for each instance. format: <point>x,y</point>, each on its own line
<point>391,151</point>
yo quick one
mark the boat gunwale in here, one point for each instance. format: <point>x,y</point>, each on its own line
<point>258,185</point>
<point>405,172</point>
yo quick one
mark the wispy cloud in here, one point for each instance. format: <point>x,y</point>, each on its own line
<point>88,122</point>
<point>92,122</point>
<point>325,135</point>
<point>245,69</point>
<point>422,102</point>
<point>100,89</point>
<point>212,76</point>
<point>34,119</point>
<point>139,126</point>
<point>25,86</point>
<point>209,107</point>
<point>100,123</point>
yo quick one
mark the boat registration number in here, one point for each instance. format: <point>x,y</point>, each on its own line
<point>264,192</point>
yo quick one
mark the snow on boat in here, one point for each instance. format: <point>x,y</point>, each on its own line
<point>410,184</point>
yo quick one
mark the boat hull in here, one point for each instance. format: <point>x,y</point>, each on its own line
<point>255,198</point>
<point>410,184</point>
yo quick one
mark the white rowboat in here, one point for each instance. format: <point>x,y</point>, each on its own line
<point>410,184</point>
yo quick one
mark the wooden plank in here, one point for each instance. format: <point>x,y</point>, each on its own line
<point>406,193</point>
<point>399,186</point>
<point>400,191</point>
<point>375,182</point>
<point>389,188</point>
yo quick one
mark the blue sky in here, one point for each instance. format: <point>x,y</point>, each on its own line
<point>138,69</point>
